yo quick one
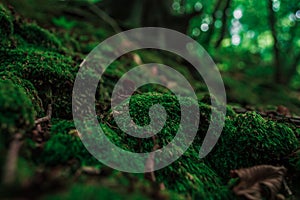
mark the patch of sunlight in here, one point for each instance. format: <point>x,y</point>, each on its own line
<point>265,40</point>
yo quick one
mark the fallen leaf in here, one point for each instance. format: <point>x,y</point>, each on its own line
<point>255,180</point>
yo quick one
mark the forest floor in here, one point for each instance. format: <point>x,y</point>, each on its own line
<point>41,153</point>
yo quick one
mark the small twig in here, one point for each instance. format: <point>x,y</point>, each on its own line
<point>46,118</point>
<point>11,159</point>
<point>286,187</point>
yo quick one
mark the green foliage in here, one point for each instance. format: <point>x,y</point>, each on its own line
<point>65,145</point>
<point>139,105</point>
<point>33,58</point>
<point>63,22</point>
<point>34,34</point>
<point>83,191</point>
<point>250,140</point>
<point>52,74</point>
<point>192,176</point>
<point>16,112</point>
<point>30,90</point>
<point>189,175</point>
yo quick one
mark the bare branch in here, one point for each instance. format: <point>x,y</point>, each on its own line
<point>46,118</point>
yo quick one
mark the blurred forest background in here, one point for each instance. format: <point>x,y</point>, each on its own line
<point>254,43</point>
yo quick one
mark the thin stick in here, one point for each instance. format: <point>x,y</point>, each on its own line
<point>46,118</point>
<point>286,187</point>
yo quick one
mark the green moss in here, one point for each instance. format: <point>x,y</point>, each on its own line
<point>139,105</point>
<point>16,31</point>
<point>250,140</point>
<point>64,145</point>
<point>51,73</point>
<point>34,54</point>
<point>30,90</point>
<point>26,170</point>
<point>38,36</point>
<point>16,113</point>
<point>93,192</point>
<point>189,175</point>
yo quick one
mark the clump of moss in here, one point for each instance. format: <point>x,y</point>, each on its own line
<point>189,175</point>
<point>51,73</point>
<point>16,113</point>
<point>16,30</point>
<point>35,55</point>
<point>65,145</point>
<point>30,90</point>
<point>249,140</point>
<point>34,34</point>
<point>139,106</point>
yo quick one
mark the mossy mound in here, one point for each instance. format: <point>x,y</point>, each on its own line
<point>35,55</point>
<point>139,106</point>
<point>16,110</point>
<point>65,145</point>
<point>30,90</point>
<point>249,140</point>
<point>52,74</point>
<point>37,36</point>
<point>189,175</point>
<point>16,31</point>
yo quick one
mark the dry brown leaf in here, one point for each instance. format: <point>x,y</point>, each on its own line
<point>254,180</point>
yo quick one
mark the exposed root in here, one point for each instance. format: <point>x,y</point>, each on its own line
<point>47,118</point>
